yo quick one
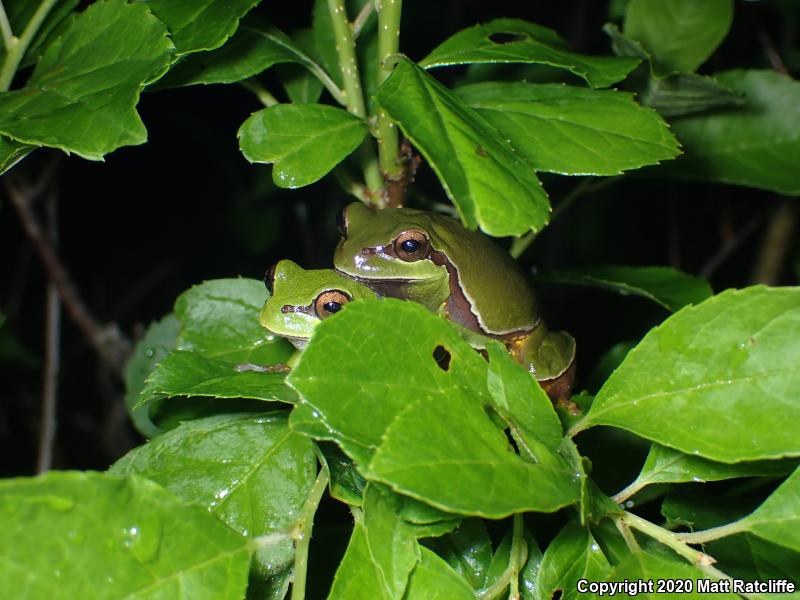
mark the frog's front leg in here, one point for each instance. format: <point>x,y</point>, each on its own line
<point>550,357</point>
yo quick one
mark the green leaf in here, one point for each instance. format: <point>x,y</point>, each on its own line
<point>302,83</point>
<point>685,93</point>
<point>757,145</point>
<point>571,130</point>
<point>520,400</point>
<point>190,374</point>
<point>529,572</point>
<point>664,465</point>
<point>93,535</point>
<point>396,423</point>
<point>655,570</point>
<point>606,365</point>
<point>249,470</point>
<point>196,25</point>
<point>668,287</point>
<point>325,40</point>
<point>468,550</point>
<point>82,94</point>
<point>158,341</point>
<point>255,47</point>
<point>219,319</point>
<point>716,380</point>
<point>381,554</point>
<point>490,184</point>
<point>743,555</point>
<point>572,555</point>
<point>680,34</point>
<point>516,41</point>
<point>346,483</point>
<point>12,152</point>
<point>434,579</point>
<point>304,141</point>
<point>777,520</point>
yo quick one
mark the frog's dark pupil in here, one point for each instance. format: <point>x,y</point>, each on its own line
<point>332,307</point>
<point>411,246</point>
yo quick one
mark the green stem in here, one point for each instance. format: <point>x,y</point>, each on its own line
<point>627,535</point>
<point>361,18</point>
<point>260,91</point>
<point>354,96</point>
<point>16,47</point>
<point>302,534</point>
<point>629,491</point>
<point>516,560</point>
<point>389,15</point>
<point>709,535</point>
<point>5,27</point>
<point>668,538</point>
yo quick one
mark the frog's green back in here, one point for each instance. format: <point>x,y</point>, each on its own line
<point>498,293</point>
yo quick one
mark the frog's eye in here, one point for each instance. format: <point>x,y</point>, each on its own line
<point>269,279</point>
<point>330,302</point>
<point>411,246</point>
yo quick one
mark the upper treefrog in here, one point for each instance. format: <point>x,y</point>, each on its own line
<point>300,299</point>
<point>432,259</point>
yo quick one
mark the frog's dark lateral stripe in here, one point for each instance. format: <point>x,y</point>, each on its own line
<point>459,308</point>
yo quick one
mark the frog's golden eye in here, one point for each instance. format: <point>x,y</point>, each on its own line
<point>411,246</point>
<point>330,302</point>
<point>269,279</point>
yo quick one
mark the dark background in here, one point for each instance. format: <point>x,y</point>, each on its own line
<point>143,226</point>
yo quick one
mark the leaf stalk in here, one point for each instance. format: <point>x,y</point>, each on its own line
<point>19,46</point>
<point>302,534</point>
<point>5,28</point>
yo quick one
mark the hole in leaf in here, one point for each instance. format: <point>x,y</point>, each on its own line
<point>506,37</point>
<point>442,358</point>
<point>557,595</point>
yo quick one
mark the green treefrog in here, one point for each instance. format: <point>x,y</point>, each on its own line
<point>300,299</point>
<point>432,259</point>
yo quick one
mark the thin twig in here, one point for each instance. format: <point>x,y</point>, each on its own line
<point>728,247</point>
<point>47,428</point>
<point>777,242</point>
<point>109,343</point>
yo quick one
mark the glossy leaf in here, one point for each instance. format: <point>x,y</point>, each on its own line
<point>196,25</point>
<point>777,520</point>
<point>82,93</point>
<point>255,47</point>
<point>468,550</point>
<point>190,374</point>
<point>90,535</point>
<point>380,556</point>
<point>434,579</point>
<point>685,93</point>
<point>349,387</point>
<point>665,465</point>
<point>571,130</point>
<point>56,17</point>
<point>219,320</point>
<point>520,400</point>
<point>715,380</point>
<point>679,34</point>
<point>756,145</point>
<point>158,341</point>
<point>303,141</point>
<point>649,567</point>
<point>572,555</point>
<point>490,184</point>
<point>668,287</point>
<point>249,470</point>
<point>516,41</point>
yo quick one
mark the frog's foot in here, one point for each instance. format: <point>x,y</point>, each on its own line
<point>277,368</point>
<point>559,390</point>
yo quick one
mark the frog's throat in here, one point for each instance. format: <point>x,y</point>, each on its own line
<point>459,308</point>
